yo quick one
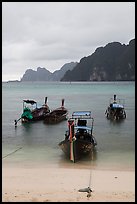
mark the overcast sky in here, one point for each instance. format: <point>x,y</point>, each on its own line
<point>50,34</point>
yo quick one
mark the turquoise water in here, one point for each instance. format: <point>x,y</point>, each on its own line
<point>39,141</point>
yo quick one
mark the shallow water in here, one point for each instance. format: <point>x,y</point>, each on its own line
<point>39,141</point>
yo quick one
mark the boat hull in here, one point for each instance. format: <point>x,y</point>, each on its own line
<point>37,114</point>
<point>115,114</point>
<point>56,116</point>
<point>78,148</point>
<point>115,110</point>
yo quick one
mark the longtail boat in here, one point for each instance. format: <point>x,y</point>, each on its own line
<point>57,115</point>
<point>116,110</point>
<point>79,140</point>
<point>33,113</point>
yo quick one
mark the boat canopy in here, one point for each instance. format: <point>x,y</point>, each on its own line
<point>81,114</point>
<point>30,101</point>
<point>82,127</point>
<point>116,105</point>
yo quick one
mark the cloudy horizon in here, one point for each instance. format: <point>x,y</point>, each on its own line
<point>51,34</point>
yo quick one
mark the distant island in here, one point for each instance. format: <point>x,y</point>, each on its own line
<point>113,62</point>
<point>42,74</point>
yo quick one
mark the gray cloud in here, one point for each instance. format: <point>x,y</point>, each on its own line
<point>50,34</point>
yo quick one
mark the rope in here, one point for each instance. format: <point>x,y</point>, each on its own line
<point>90,178</point>
<point>15,121</point>
<point>12,152</point>
<point>90,171</point>
<point>88,189</point>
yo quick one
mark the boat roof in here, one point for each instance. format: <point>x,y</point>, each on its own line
<point>30,101</point>
<point>117,105</point>
<point>82,114</point>
<point>83,127</point>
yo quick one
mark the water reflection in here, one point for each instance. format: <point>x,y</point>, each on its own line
<point>117,122</point>
<point>87,161</point>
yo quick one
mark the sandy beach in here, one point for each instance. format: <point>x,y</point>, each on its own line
<point>53,184</point>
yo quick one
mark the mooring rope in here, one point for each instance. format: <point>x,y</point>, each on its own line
<point>16,121</point>
<point>12,152</point>
<point>89,193</point>
<point>88,189</point>
<point>90,178</point>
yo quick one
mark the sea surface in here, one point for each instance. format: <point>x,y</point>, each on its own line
<point>37,143</point>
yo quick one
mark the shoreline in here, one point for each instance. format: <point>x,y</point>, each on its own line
<point>59,184</point>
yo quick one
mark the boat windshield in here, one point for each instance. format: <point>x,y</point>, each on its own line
<point>82,130</point>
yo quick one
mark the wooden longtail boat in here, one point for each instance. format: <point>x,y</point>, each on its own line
<point>115,110</point>
<point>79,140</point>
<point>33,113</point>
<point>57,115</point>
